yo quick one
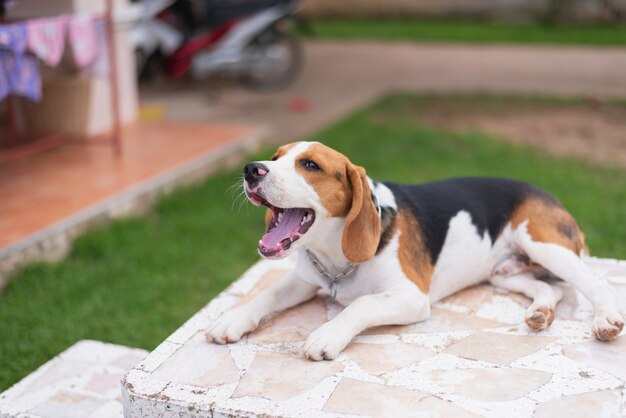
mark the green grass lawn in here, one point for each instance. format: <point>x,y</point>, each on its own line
<point>471,32</point>
<point>137,280</point>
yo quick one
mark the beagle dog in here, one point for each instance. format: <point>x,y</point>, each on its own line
<point>388,251</point>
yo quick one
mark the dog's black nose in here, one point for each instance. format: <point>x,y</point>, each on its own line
<point>254,172</point>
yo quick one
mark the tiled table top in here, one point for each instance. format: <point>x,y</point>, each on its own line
<point>82,382</point>
<point>473,357</point>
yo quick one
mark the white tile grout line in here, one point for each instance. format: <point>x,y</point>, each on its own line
<point>133,192</point>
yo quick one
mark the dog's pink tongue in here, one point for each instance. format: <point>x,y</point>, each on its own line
<point>285,229</point>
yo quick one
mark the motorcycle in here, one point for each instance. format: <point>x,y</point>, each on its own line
<point>149,35</point>
<point>248,40</point>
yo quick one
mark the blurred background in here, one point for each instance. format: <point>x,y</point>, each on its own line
<point>124,124</point>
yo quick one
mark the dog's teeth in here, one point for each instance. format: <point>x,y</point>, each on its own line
<point>280,216</point>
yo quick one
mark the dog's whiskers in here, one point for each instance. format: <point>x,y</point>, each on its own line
<point>238,194</point>
<point>241,200</point>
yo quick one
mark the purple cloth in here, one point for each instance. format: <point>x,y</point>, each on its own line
<point>19,71</point>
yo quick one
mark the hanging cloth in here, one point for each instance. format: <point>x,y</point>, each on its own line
<point>19,71</point>
<point>83,39</point>
<point>46,38</point>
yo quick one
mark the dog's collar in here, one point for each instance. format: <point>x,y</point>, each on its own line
<point>331,278</point>
<point>350,268</point>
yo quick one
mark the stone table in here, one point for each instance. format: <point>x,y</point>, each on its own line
<point>473,357</point>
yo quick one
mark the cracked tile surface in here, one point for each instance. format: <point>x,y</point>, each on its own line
<point>609,357</point>
<point>500,349</point>
<point>370,399</point>
<point>199,364</point>
<point>590,404</point>
<point>282,376</point>
<point>491,385</point>
<point>377,359</point>
<point>292,325</point>
<point>473,357</point>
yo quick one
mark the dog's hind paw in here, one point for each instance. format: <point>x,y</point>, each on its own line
<point>608,325</point>
<point>539,318</point>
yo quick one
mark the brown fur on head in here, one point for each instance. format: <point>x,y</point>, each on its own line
<point>312,175</point>
<point>344,191</point>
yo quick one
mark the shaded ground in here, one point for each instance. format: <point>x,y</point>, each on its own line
<point>589,130</point>
<point>594,136</point>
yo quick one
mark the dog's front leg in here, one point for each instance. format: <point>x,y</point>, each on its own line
<point>235,323</point>
<point>394,307</point>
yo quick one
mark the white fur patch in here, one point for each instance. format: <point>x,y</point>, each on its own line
<point>385,197</point>
<point>463,260</point>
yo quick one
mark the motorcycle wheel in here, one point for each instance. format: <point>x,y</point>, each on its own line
<point>267,70</point>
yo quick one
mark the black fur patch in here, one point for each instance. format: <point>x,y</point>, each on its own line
<point>489,201</point>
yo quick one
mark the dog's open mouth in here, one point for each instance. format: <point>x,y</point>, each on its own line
<point>286,227</point>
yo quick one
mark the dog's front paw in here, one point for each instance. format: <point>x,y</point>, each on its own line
<point>231,326</point>
<point>608,325</point>
<point>326,342</point>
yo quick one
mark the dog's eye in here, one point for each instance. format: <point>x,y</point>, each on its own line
<point>275,157</point>
<point>310,165</point>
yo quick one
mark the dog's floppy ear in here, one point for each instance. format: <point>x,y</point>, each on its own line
<point>361,233</point>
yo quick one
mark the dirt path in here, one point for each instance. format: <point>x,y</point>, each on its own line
<point>341,76</point>
<point>592,132</point>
